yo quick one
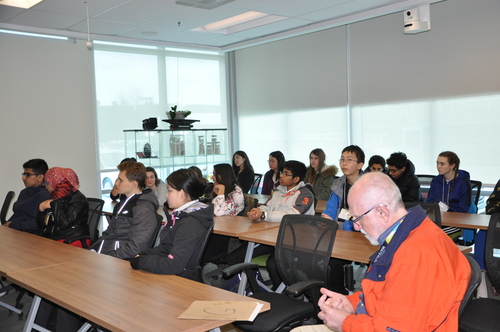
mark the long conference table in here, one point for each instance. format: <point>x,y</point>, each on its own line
<point>103,289</point>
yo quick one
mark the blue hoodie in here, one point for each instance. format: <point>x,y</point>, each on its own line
<point>455,193</point>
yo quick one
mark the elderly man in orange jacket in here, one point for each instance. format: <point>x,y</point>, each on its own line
<point>415,281</point>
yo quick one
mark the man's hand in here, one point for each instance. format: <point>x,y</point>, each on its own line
<point>335,308</point>
<point>254,214</point>
<point>7,223</point>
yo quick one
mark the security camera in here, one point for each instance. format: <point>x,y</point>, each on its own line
<point>417,19</point>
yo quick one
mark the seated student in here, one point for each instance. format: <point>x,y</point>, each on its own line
<point>409,286</point>
<point>65,215</point>
<point>227,196</point>
<point>26,207</point>
<point>272,177</point>
<point>402,172</point>
<point>376,164</point>
<point>337,208</point>
<point>452,186</point>
<point>183,235</point>
<point>351,163</point>
<point>134,218</point>
<point>243,170</point>
<point>291,197</point>
<point>209,186</point>
<point>158,187</point>
<point>114,195</point>
<point>493,203</point>
<point>319,174</point>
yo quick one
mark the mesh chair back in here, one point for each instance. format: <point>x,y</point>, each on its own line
<point>5,206</point>
<point>431,209</point>
<point>476,191</point>
<point>303,248</point>
<point>254,189</point>
<point>474,281</point>
<point>492,253</point>
<point>95,212</point>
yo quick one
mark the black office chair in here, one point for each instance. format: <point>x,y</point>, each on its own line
<point>199,258</point>
<point>476,192</point>
<point>482,315</point>
<point>431,209</point>
<point>95,213</point>
<point>254,189</point>
<point>425,183</point>
<point>5,206</point>
<point>474,281</point>
<point>152,241</point>
<point>303,249</point>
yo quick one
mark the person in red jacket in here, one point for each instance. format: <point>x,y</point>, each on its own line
<point>415,281</point>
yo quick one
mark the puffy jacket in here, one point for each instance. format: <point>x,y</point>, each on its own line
<point>416,285</point>
<point>298,200</point>
<point>69,217</point>
<point>323,180</point>
<point>181,241</point>
<point>131,227</point>
<point>408,184</point>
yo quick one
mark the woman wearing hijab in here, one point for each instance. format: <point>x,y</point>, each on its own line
<point>65,215</point>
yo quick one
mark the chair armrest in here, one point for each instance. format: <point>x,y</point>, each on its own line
<point>230,270</point>
<point>302,286</point>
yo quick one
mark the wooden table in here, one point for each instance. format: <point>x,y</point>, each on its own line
<point>22,251</point>
<point>465,220</point>
<point>108,292</point>
<point>236,226</point>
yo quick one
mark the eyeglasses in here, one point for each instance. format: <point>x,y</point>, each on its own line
<point>287,174</point>
<point>364,214</point>
<point>349,160</point>
<point>27,174</point>
<point>392,170</point>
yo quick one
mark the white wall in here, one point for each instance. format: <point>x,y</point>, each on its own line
<point>46,109</point>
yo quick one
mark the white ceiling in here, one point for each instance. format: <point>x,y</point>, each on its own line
<point>156,21</point>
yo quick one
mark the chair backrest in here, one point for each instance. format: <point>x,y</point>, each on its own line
<point>492,251</point>
<point>432,210</point>
<point>250,203</point>
<point>425,183</point>
<point>5,206</point>
<point>199,268</point>
<point>254,189</point>
<point>156,232</point>
<point>474,281</point>
<point>95,213</point>
<point>476,191</point>
<point>303,248</point>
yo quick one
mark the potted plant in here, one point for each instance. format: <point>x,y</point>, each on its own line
<point>174,114</point>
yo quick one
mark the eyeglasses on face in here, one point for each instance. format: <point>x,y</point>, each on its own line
<point>286,174</point>
<point>394,170</point>
<point>355,220</point>
<point>27,174</point>
<point>348,160</point>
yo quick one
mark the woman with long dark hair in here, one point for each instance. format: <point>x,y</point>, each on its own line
<point>243,170</point>
<point>228,196</point>
<point>272,177</point>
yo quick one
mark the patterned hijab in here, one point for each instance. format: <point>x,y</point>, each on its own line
<point>63,180</point>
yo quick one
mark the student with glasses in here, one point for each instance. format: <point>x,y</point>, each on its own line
<point>26,207</point>
<point>272,177</point>
<point>402,172</point>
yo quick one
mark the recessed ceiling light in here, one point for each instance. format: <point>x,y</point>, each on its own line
<point>20,3</point>
<point>240,22</point>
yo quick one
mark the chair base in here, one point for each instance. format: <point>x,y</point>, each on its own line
<point>481,315</point>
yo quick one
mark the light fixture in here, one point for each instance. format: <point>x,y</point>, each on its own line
<point>89,44</point>
<point>20,3</point>
<point>240,22</point>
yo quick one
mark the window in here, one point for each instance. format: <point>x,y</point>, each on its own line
<point>134,83</point>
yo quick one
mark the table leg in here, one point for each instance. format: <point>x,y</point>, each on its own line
<point>30,320</point>
<point>248,258</point>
